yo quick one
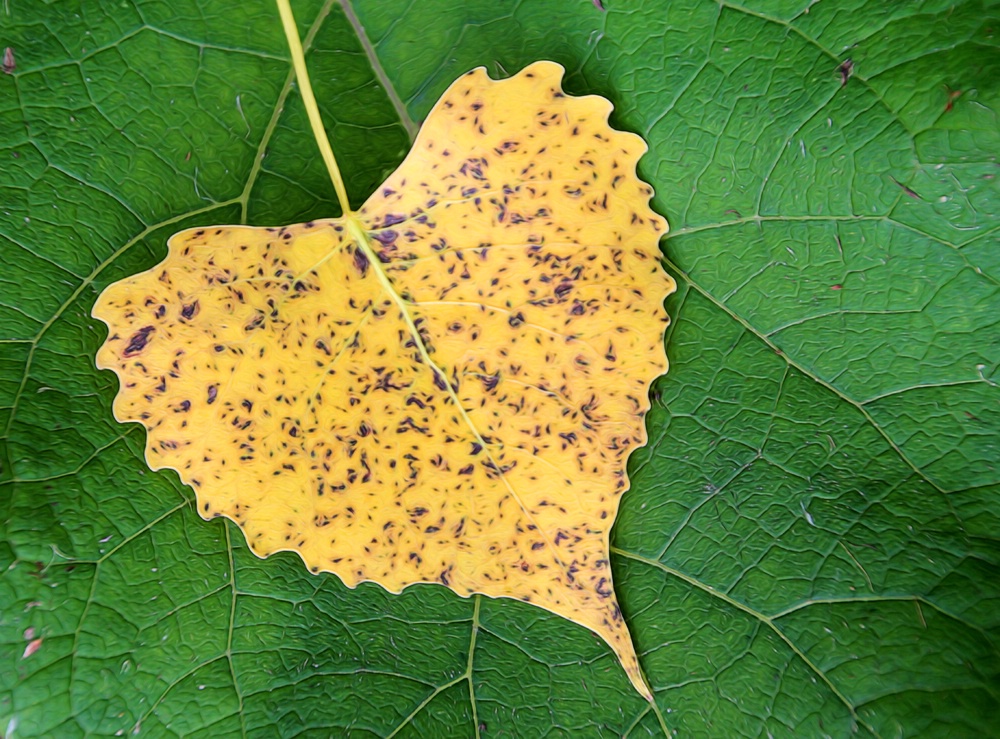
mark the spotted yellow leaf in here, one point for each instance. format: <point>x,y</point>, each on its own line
<point>443,386</point>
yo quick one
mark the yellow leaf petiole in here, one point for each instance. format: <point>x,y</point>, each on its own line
<point>312,109</point>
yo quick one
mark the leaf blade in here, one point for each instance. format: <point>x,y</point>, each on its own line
<point>275,369</point>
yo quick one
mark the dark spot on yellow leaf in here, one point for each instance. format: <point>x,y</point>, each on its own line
<point>137,342</point>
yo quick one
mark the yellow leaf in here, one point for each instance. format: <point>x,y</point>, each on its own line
<point>442,387</point>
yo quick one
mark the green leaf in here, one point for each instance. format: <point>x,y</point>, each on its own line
<point>810,545</point>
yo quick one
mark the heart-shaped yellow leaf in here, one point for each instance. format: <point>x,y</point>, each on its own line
<point>442,387</point>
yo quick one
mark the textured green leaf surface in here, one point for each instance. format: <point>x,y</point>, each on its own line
<point>810,545</point>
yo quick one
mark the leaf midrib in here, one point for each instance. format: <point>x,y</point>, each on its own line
<point>363,241</point>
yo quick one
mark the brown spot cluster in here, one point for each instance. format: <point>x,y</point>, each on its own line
<point>451,398</point>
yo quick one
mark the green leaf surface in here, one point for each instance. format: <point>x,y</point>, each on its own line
<point>810,545</point>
